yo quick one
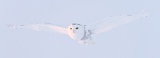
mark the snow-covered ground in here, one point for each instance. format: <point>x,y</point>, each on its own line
<point>138,39</point>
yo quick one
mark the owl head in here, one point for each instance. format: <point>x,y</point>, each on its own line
<point>76,31</point>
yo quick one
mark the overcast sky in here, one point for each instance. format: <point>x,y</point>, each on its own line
<point>139,39</point>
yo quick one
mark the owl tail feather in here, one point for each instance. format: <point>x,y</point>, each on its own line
<point>86,42</point>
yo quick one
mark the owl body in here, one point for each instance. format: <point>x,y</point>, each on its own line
<point>80,33</point>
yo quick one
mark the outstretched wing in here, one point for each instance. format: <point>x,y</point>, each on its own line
<point>40,27</point>
<point>110,23</point>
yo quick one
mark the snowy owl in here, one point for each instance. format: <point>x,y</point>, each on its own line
<point>82,33</point>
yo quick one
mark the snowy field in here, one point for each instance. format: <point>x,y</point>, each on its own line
<point>139,39</point>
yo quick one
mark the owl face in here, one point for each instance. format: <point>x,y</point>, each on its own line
<point>76,31</point>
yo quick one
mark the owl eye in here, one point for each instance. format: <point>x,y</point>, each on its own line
<point>76,27</point>
<point>70,28</point>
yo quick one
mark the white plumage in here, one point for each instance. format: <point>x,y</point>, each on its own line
<point>82,33</point>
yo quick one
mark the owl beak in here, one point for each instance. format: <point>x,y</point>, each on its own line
<point>73,31</point>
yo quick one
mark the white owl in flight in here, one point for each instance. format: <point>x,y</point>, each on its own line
<point>82,33</point>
